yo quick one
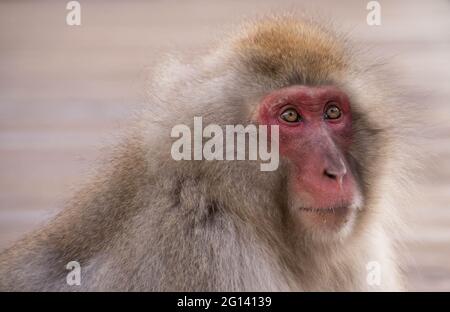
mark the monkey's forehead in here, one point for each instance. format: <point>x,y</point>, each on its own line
<point>291,48</point>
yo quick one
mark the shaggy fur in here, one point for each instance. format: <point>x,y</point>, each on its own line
<point>147,222</point>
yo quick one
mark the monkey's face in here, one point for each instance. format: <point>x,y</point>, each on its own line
<point>315,125</point>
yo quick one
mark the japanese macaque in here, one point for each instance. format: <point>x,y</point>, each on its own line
<point>324,220</point>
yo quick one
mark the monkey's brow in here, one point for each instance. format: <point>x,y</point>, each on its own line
<point>314,107</point>
<point>311,107</point>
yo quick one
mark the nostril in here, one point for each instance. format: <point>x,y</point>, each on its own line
<point>330,174</point>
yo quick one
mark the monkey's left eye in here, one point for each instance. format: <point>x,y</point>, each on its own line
<point>333,112</point>
<point>290,115</point>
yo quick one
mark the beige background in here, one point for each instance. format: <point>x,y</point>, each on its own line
<point>64,91</point>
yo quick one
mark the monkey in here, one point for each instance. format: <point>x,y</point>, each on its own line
<point>319,222</point>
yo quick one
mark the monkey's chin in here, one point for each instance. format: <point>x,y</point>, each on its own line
<point>327,223</point>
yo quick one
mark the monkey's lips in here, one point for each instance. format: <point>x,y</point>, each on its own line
<point>333,217</point>
<point>326,210</point>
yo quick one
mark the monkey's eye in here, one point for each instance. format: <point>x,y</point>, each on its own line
<point>332,112</point>
<point>290,115</point>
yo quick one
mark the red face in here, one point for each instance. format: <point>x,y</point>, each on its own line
<point>315,125</point>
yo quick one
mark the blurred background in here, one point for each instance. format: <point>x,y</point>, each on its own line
<point>65,90</point>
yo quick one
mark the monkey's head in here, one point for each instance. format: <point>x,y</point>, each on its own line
<point>309,84</point>
<point>334,117</point>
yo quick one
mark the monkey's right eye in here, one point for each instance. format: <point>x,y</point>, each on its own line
<point>290,115</point>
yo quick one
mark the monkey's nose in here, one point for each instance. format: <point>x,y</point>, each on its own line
<point>335,173</point>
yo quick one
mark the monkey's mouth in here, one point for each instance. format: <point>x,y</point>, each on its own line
<point>329,217</point>
<point>328,210</point>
